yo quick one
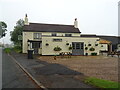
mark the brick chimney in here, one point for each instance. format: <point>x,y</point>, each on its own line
<point>26,20</point>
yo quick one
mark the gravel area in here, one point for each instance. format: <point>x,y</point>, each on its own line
<point>104,67</point>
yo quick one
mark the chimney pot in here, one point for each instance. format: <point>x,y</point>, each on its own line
<point>76,23</point>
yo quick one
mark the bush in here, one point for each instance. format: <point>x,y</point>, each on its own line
<point>7,50</point>
<point>57,49</point>
<point>70,48</point>
<point>93,54</point>
<point>18,49</point>
<point>86,54</point>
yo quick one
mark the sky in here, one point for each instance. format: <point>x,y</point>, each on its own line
<point>94,16</point>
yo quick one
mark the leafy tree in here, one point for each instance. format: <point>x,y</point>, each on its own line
<point>16,32</point>
<point>3,29</point>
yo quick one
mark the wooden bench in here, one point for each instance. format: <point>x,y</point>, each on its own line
<point>63,54</point>
<point>114,53</point>
<point>118,54</point>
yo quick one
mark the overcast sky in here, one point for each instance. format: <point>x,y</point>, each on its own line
<point>94,16</point>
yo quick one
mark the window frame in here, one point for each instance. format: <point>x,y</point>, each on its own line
<point>37,35</point>
<point>53,34</point>
<point>68,35</point>
<point>57,40</point>
<point>35,45</point>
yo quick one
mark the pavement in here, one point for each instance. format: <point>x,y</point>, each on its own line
<point>50,75</point>
<point>13,76</point>
<point>0,68</point>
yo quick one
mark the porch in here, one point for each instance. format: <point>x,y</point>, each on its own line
<point>36,46</point>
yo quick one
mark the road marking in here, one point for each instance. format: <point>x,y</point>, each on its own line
<point>35,81</point>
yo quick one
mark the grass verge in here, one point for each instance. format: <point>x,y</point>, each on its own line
<point>7,50</point>
<point>100,83</point>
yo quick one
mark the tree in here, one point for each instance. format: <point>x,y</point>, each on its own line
<point>3,29</point>
<point>16,32</point>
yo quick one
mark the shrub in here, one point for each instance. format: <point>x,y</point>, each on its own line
<point>7,50</point>
<point>93,54</point>
<point>86,54</point>
<point>57,49</point>
<point>92,49</point>
<point>70,48</point>
<point>18,49</point>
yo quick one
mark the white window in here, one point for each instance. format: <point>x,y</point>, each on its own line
<point>54,34</point>
<point>37,35</point>
<point>57,40</point>
<point>68,35</point>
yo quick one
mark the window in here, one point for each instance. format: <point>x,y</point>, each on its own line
<point>82,45</point>
<point>77,45</point>
<point>57,40</point>
<point>54,34</point>
<point>37,35</point>
<point>68,35</point>
<point>73,45</point>
<point>35,44</point>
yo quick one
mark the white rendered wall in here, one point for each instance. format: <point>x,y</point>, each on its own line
<point>103,47</point>
<point>26,36</point>
<point>29,35</point>
<point>48,50</point>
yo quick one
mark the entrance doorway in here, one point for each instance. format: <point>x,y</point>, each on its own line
<point>36,46</point>
<point>78,48</point>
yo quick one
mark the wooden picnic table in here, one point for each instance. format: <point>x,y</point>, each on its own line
<point>63,54</point>
<point>114,53</point>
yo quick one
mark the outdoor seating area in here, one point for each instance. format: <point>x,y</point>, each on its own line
<point>113,53</point>
<point>65,54</point>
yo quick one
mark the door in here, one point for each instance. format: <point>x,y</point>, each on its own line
<point>35,50</point>
<point>78,48</point>
<point>36,46</point>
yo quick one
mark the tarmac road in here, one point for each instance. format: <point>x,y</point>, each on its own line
<point>13,76</point>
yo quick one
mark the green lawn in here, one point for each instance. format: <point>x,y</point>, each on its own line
<point>100,83</point>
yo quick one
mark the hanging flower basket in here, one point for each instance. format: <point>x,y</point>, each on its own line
<point>57,49</point>
<point>67,43</point>
<point>89,44</point>
<point>92,49</point>
<point>70,48</point>
<point>47,44</point>
<point>101,45</point>
<point>86,48</point>
<point>96,44</point>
